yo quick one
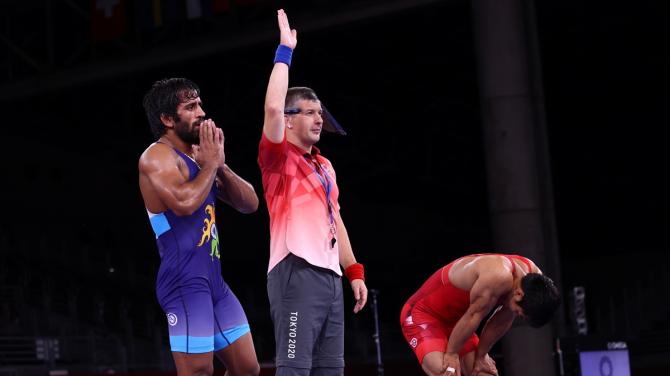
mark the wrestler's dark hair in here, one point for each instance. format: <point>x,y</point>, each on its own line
<point>294,94</point>
<point>163,99</point>
<point>540,299</point>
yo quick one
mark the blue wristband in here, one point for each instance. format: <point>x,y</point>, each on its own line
<point>283,55</point>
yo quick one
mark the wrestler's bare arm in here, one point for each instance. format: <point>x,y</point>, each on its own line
<point>497,325</point>
<point>164,187</point>
<point>484,295</point>
<point>235,191</point>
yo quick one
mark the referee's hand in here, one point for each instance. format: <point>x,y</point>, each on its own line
<point>360,294</point>
<point>287,36</point>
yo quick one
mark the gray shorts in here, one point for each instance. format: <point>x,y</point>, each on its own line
<point>308,315</point>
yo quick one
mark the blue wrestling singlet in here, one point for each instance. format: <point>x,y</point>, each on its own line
<point>202,312</point>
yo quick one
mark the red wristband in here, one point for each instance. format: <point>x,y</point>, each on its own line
<point>355,271</point>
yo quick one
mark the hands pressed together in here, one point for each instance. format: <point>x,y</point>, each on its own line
<point>210,150</point>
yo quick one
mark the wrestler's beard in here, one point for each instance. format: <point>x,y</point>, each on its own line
<point>188,132</point>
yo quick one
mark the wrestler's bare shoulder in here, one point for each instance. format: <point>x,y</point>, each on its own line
<point>466,270</point>
<point>156,154</point>
<point>156,149</point>
<point>476,262</point>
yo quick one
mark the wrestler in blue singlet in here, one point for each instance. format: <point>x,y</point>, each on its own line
<point>202,312</point>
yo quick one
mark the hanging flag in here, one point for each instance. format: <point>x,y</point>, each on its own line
<point>108,19</point>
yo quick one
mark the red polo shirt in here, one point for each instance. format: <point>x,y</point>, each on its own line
<point>295,185</point>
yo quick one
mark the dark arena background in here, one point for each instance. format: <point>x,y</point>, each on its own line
<point>425,172</point>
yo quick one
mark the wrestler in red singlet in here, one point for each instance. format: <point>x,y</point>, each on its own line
<point>429,315</point>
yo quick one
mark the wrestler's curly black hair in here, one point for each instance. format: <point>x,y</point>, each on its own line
<point>540,299</point>
<point>163,99</point>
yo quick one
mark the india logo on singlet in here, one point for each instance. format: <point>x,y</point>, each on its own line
<point>209,232</point>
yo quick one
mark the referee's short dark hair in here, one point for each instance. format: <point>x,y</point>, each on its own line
<point>294,94</point>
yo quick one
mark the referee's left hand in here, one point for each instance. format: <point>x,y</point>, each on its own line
<point>360,294</point>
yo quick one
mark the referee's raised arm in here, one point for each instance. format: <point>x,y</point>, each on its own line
<point>273,124</point>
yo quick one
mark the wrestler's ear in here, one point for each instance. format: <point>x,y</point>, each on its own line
<point>518,294</point>
<point>167,121</point>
